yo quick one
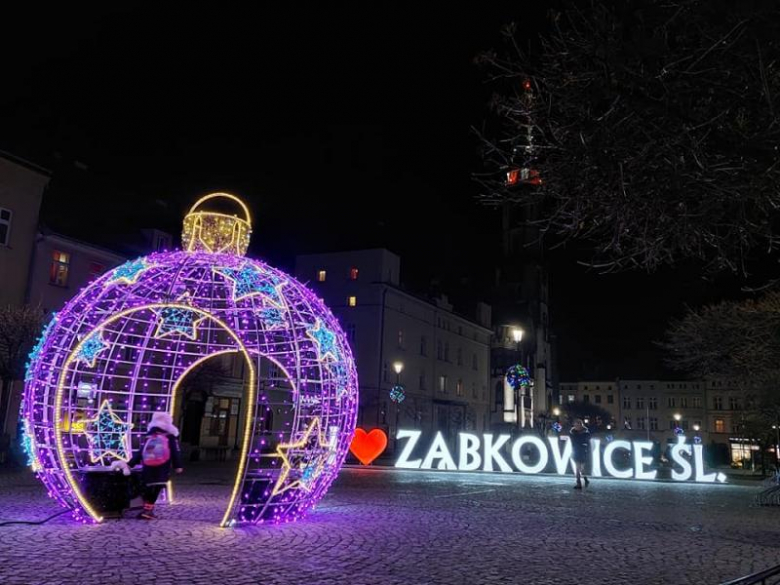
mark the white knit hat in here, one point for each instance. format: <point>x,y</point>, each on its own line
<point>164,422</point>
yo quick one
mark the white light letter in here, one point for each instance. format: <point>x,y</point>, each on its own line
<point>492,452</point>
<point>698,457</point>
<point>403,459</point>
<point>595,457</point>
<point>561,460</point>
<point>609,466</point>
<point>517,457</point>
<point>677,456</point>
<point>641,460</point>
<point>468,449</point>
<point>439,450</point>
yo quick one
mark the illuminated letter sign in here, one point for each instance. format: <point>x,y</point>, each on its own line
<point>620,459</point>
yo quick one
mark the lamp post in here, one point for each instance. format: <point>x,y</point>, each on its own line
<point>398,366</point>
<point>777,443</point>
<point>517,337</point>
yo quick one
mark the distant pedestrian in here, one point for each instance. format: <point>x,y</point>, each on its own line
<point>580,447</point>
<point>159,454</point>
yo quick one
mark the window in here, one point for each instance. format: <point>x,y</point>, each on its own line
<point>460,356</point>
<point>459,388</point>
<point>717,403</point>
<point>401,338</point>
<point>640,403</point>
<point>321,275</point>
<point>571,397</point>
<point>5,226</point>
<point>671,402</point>
<point>446,352</point>
<point>685,425</point>
<point>423,345</point>
<point>610,399</point>
<point>697,401</point>
<point>95,270</point>
<point>351,332</point>
<point>352,301</point>
<point>653,401</point>
<point>439,350</point>
<point>442,383</point>
<point>626,402</point>
<point>353,273</point>
<point>60,263</point>
<point>598,398</point>
<point>586,397</point>
<point>474,362</point>
<point>474,392</point>
<point>640,423</point>
<point>672,425</point>
<point>639,386</point>
<point>733,403</point>
<point>720,425</point>
<point>653,423</point>
<point>423,384</point>
<point>684,402</point>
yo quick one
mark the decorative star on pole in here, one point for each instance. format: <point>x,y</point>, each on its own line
<point>325,340</point>
<point>297,473</point>
<point>129,272</point>
<point>249,280</point>
<point>90,348</point>
<point>178,319</point>
<point>108,435</point>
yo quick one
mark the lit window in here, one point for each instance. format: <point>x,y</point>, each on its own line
<point>720,425</point>
<point>352,301</point>
<point>95,270</point>
<point>58,274</point>
<point>5,226</point>
<point>459,388</point>
<point>353,273</point>
<point>442,383</point>
<point>571,397</point>
<point>321,276</point>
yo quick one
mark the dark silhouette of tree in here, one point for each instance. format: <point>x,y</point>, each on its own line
<point>653,127</point>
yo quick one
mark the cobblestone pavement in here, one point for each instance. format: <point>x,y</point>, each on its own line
<point>394,527</point>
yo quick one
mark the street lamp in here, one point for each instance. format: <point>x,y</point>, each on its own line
<point>556,411</point>
<point>398,366</point>
<point>777,443</point>
<point>517,337</point>
<point>517,334</point>
<point>677,417</point>
<point>696,428</point>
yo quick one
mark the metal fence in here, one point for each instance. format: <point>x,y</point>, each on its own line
<point>767,577</point>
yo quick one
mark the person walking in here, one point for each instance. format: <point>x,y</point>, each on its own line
<point>580,447</point>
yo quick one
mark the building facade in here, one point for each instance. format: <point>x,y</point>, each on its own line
<point>21,191</point>
<point>713,410</point>
<point>440,358</point>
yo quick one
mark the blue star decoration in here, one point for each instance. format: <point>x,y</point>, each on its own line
<point>108,435</point>
<point>90,348</point>
<point>273,318</point>
<point>339,371</point>
<point>325,340</point>
<point>129,272</point>
<point>297,473</point>
<point>249,280</point>
<point>178,319</point>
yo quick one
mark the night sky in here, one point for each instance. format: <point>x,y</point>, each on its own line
<point>343,128</point>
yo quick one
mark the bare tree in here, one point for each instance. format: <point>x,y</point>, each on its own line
<point>647,129</point>
<point>19,328</point>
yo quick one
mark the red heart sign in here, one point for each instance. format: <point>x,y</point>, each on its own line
<point>368,446</point>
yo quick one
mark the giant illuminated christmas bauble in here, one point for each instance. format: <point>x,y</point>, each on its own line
<point>122,348</point>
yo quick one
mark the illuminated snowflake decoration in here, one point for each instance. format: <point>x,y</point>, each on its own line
<point>273,318</point>
<point>325,340</point>
<point>518,377</point>
<point>557,427</point>
<point>678,431</point>
<point>36,349</point>
<point>397,394</point>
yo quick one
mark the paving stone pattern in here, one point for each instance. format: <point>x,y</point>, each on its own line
<point>394,527</point>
